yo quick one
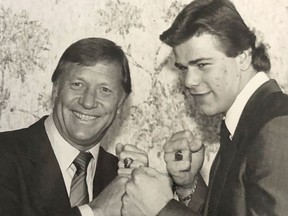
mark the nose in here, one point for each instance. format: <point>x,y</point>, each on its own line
<point>89,99</point>
<point>193,78</point>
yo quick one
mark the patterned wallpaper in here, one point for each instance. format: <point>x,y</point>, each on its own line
<point>34,34</point>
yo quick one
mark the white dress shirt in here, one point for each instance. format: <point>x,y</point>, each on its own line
<point>233,114</point>
<point>65,155</point>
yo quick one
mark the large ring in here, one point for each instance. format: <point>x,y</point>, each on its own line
<point>178,155</point>
<point>127,162</point>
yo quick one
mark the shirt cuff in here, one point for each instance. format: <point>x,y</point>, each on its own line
<point>85,210</point>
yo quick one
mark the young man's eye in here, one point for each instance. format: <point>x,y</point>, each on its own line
<point>182,69</point>
<point>201,65</point>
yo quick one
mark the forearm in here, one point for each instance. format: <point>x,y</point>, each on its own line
<point>194,196</point>
<point>195,206</point>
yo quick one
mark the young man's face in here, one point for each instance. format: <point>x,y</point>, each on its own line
<point>212,78</point>
<point>86,102</point>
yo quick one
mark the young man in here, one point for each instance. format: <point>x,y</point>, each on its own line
<point>57,166</point>
<point>225,72</point>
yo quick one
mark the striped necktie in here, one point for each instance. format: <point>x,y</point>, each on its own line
<point>79,191</point>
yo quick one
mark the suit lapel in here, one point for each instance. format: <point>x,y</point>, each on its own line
<point>106,171</point>
<point>47,177</point>
<point>46,171</point>
<point>218,176</point>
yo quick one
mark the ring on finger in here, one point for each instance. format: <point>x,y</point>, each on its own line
<point>127,162</point>
<point>178,155</point>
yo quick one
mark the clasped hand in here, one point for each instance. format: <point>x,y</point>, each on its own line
<point>143,191</point>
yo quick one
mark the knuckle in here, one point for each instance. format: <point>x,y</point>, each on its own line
<point>123,180</point>
<point>187,133</point>
<point>171,168</point>
<point>186,155</point>
<point>128,188</point>
<point>128,147</point>
<point>185,143</point>
<point>135,174</point>
<point>125,199</point>
<point>140,157</point>
<point>137,179</point>
<point>122,155</point>
<point>186,165</point>
<point>180,144</point>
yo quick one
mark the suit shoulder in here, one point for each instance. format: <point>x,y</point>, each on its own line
<point>276,128</point>
<point>22,137</point>
<point>276,104</point>
<point>14,141</point>
<point>273,106</point>
<point>12,136</point>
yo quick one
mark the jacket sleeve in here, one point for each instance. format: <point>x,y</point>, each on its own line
<point>266,170</point>
<point>196,205</point>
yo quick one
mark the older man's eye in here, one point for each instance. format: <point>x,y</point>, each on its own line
<point>76,85</point>
<point>106,90</point>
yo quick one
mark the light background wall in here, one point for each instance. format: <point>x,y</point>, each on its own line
<point>34,34</point>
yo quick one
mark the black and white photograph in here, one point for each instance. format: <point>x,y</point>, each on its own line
<point>143,108</point>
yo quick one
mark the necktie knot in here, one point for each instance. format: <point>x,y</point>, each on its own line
<point>81,161</point>
<point>224,132</point>
<point>224,135</point>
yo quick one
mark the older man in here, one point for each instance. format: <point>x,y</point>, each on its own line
<point>57,166</point>
<point>224,70</point>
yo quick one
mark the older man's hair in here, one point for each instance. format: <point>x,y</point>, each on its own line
<point>221,19</point>
<point>90,51</point>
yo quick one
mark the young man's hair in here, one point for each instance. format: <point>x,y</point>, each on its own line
<point>90,51</point>
<point>221,19</point>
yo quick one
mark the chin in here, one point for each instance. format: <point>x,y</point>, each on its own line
<point>83,138</point>
<point>207,112</point>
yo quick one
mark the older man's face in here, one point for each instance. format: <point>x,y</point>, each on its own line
<point>86,103</point>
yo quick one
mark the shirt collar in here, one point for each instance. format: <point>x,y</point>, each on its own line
<point>233,114</point>
<point>64,152</point>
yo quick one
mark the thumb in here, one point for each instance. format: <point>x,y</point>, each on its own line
<point>196,144</point>
<point>119,148</point>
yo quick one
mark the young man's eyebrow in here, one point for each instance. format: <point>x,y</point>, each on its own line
<point>193,62</point>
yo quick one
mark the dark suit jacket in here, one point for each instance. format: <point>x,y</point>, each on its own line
<point>254,178</point>
<point>31,183</point>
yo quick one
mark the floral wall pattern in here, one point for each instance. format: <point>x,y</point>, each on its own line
<point>34,33</point>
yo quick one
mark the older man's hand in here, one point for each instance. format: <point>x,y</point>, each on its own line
<point>147,192</point>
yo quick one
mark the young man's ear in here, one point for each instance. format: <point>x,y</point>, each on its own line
<point>245,60</point>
